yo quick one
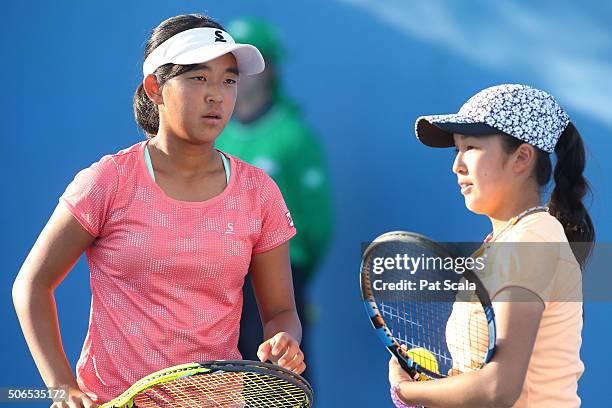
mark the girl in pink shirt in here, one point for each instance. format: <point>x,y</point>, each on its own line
<point>504,136</point>
<point>171,226</point>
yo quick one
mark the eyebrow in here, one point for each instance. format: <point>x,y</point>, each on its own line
<point>231,70</point>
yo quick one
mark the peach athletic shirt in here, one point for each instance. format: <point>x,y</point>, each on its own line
<point>166,275</point>
<point>543,263</point>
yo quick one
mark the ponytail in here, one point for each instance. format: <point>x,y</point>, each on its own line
<point>145,112</point>
<point>570,187</point>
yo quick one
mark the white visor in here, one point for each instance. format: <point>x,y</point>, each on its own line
<point>199,45</point>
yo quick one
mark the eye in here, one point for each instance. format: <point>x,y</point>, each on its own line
<point>199,78</point>
<point>231,81</point>
<point>469,147</point>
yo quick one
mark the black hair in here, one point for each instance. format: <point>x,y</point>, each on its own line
<point>145,111</point>
<point>570,187</point>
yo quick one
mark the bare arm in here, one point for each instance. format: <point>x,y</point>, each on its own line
<point>272,282</point>
<point>58,247</point>
<point>518,312</point>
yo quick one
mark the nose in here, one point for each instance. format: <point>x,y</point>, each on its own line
<point>214,94</point>
<point>459,165</point>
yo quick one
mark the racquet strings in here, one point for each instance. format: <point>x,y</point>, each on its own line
<point>449,325</point>
<point>224,389</point>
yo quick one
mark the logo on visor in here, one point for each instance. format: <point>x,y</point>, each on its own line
<point>219,36</point>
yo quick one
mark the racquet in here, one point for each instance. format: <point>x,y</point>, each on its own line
<point>434,330</point>
<point>227,384</point>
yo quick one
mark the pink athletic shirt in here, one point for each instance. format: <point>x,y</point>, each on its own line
<point>166,275</point>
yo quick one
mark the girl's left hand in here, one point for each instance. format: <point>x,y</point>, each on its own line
<point>284,350</point>
<point>397,373</point>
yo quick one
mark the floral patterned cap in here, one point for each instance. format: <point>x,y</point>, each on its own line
<point>523,112</point>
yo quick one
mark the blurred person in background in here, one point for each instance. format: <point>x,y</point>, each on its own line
<point>268,132</point>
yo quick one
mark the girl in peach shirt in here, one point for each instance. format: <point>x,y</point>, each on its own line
<point>503,137</point>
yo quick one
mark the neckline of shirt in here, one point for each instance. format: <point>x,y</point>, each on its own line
<point>206,203</point>
<point>224,159</point>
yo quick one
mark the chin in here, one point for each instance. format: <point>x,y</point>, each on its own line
<point>204,137</point>
<point>474,206</point>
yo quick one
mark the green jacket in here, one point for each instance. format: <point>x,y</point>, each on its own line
<point>281,144</point>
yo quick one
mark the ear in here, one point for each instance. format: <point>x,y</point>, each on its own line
<point>153,90</point>
<point>524,158</point>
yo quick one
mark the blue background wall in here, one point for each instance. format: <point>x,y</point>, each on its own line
<point>362,70</point>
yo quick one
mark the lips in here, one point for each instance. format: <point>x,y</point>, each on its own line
<point>212,118</point>
<point>213,115</point>
<point>464,185</point>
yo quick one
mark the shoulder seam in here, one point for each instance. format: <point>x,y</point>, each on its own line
<point>112,203</point>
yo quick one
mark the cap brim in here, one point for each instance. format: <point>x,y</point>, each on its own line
<point>249,59</point>
<point>438,130</point>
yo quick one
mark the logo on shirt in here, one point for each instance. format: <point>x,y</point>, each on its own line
<point>230,228</point>
<point>289,219</point>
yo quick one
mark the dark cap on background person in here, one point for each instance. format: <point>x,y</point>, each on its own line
<point>260,33</point>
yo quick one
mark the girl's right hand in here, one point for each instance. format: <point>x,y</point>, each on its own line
<point>76,399</point>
